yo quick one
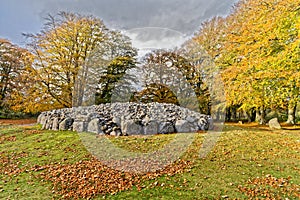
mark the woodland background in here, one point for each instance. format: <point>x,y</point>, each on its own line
<point>76,60</point>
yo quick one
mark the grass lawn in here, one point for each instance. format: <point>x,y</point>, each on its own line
<point>247,162</point>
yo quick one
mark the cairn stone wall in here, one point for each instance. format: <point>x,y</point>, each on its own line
<point>126,119</point>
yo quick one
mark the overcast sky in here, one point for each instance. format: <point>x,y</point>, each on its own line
<point>180,17</point>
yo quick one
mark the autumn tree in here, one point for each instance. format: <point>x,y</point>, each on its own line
<point>203,63</point>
<point>155,93</point>
<point>257,50</point>
<point>120,57</point>
<point>14,65</point>
<point>64,51</point>
<point>263,62</point>
<point>165,64</point>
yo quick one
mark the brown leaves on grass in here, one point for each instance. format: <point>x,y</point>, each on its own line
<point>7,139</point>
<point>9,165</point>
<point>86,179</point>
<point>13,138</point>
<point>270,187</point>
<point>17,121</point>
<point>33,132</point>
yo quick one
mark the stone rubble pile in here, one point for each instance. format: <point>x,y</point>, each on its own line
<point>126,119</point>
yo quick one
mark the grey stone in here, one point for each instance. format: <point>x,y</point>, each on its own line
<point>55,124</point>
<point>274,124</point>
<point>166,127</point>
<point>183,126</point>
<point>117,120</point>
<point>48,125</point>
<point>83,118</point>
<point>203,124</point>
<point>39,118</point>
<point>116,133</point>
<point>103,127</point>
<point>132,127</point>
<point>210,123</point>
<point>126,118</point>
<point>146,120</point>
<point>151,128</point>
<point>43,121</point>
<point>191,119</point>
<point>94,126</point>
<point>65,124</point>
<point>44,126</point>
<point>80,126</point>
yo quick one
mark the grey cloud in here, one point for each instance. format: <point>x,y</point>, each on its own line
<point>184,16</point>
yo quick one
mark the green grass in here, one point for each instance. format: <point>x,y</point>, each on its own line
<point>240,155</point>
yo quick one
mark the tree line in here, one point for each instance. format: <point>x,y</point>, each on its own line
<point>76,60</point>
<point>257,50</point>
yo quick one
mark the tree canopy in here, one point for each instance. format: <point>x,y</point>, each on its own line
<point>72,50</point>
<point>15,63</point>
<point>257,49</point>
<point>76,60</point>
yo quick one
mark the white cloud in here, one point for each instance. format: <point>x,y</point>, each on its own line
<point>151,38</point>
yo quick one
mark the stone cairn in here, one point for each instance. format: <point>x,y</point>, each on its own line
<point>119,119</point>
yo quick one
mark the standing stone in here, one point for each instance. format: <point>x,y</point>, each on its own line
<point>166,127</point>
<point>55,124</point>
<point>132,127</point>
<point>81,123</point>
<point>40,117</point>
<point>44,122</point>
<point>151,128</point>
<point>210,123</point>
<point>191,119</point>
<point>203,124</point>
<point>79,126</point>
<point>48,125</point>
<point>274,124</point>
<point>94,126</point>
<point>66,124</point>
<point>183,126</point>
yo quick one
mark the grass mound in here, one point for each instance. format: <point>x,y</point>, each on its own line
<point>246,163</point>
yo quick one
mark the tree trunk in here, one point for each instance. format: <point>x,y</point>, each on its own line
<point>252,114</point>
<point>228,114</point>
<point>248,116</point>
<point>218,115</point>
<point>292,114</point>
<point>261,116</point>
<point>234,113</point>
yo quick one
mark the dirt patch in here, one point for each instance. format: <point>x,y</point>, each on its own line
<point>17,121</point>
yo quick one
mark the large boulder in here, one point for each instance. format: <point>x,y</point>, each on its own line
<point>94,126</point>
<point>66,124</point>
<point>55,124</point>
<point>151,128</point>
<point>274,124</point>
<point>132,127</point>
<point>184,126</point>
<point>166,127</point>
<point>80,126</point>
